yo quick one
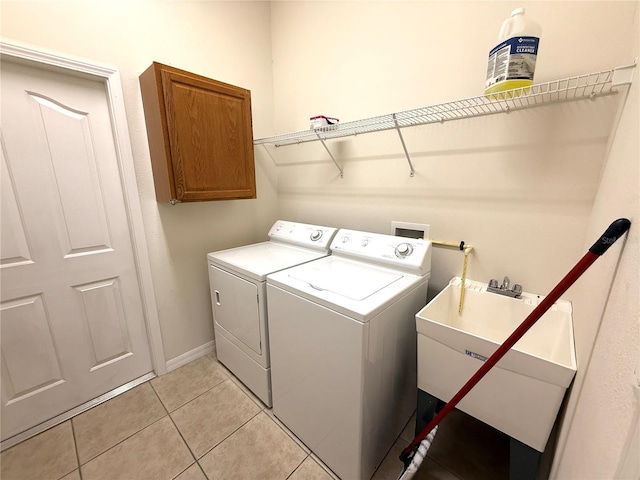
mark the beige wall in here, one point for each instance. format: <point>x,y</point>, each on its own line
<point>227,41</point>
<point>604,408</point>
<point>519,187</point>
<point>531,190</point>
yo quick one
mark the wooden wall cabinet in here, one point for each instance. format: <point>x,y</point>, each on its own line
<point>200,136</point>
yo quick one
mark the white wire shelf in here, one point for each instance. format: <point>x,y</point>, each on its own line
<point>579,87</point>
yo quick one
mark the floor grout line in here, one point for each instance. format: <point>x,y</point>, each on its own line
<point>195,458</point>
<point>190,400</point>
<point>228,436</point>
<point>199,395</point>
<point>187,468</point>
<point>80,464</point>
<point>202,470</point>
<point>286,430</point>
<point>123,440</point>
<point>169,413</point>
<point>297,467</point>
<point>316,459</point>
<point>75,446</point>
<point>158,397</point>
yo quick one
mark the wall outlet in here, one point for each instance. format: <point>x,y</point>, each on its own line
<point>410,230</point>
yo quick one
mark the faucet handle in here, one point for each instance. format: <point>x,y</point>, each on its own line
<point>504,289</point>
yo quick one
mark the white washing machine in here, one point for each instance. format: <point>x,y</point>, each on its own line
<point>343,347</point>
<point>237,279</point>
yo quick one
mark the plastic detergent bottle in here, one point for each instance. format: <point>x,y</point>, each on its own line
<point>513,60</point>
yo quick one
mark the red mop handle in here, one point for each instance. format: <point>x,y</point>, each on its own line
<point>608,238</point>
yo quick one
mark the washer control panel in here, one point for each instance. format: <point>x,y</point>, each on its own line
<point>399,252</point>
<point>314,236</point>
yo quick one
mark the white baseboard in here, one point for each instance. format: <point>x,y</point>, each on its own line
<point>190,356</point>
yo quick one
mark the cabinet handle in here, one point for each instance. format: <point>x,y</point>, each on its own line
<point>217,297</point>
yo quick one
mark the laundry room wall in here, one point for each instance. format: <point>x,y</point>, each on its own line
<point>606,396</point>
<point>601,435</point>
<point>528,189</point>
<point>227,41</point>
<point>519,187</point>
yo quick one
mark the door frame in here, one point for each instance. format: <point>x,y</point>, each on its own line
<point>44,59</point>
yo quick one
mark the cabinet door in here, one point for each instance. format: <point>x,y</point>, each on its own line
<point>201,143</point>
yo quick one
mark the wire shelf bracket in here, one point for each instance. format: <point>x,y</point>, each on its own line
<point>404,147</point>
<point>324,144</point>
<point>587,86</point>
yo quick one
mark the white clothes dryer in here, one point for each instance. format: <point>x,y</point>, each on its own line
<point>237,279</point>
<point>343,339</point>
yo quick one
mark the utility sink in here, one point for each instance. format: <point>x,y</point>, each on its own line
<point>523,392</point>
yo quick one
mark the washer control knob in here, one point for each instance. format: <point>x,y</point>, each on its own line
<point>316,235</point>
<point>344,239</point>
<point>404,250</point>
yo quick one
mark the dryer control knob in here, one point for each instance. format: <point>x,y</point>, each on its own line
<point>404,250</point>
<point>316,235</point>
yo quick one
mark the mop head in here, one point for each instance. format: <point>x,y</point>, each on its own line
<point>419,455</point>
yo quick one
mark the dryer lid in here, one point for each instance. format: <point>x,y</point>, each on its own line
<point>260,259</point>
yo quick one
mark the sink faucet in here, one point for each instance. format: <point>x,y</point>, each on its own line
<point>504,289</point>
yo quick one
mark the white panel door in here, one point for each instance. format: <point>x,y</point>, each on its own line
<point>71,313</point>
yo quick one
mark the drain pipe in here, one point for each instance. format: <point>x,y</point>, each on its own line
<point>463,248</point>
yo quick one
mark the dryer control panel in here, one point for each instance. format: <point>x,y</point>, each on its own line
<point>309,236</point>
<point>412,255</point>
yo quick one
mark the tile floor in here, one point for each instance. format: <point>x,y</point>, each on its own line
<point>199,422</point>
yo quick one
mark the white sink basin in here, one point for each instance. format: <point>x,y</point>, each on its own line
<point>521,395</point>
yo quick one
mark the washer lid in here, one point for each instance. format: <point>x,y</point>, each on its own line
<point>355,281</point>
<point>353,288</point>
<point>260,259</point>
